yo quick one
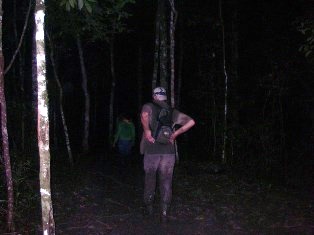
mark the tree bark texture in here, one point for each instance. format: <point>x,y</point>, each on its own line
<point>157,45</point>
<point>173,16</point>
<point>163,55</point>
<point>5,139</point>
<point>85,144</point>
<point>5,149</point>
<point>225,126</point>
<point>48,224</point>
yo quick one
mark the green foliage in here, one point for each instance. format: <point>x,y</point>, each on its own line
<point>108,19</point>
<point>307,29</point>
<point>25,185</point>
<point>61,22</point>
<point>79,4</point>
<point>102,19</point>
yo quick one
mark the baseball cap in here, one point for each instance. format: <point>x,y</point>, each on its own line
<point>160,93</point>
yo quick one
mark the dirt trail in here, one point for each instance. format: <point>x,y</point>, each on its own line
<point>105,198</point>
<point>108,200</point>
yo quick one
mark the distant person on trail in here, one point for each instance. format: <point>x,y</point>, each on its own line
<point>159,149</point>
<point>124,138</point>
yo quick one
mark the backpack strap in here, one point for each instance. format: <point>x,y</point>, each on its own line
<point>157,128</point>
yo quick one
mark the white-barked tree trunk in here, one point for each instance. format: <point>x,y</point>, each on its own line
<point>43,123</point>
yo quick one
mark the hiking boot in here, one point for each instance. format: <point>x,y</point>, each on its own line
<point>163,217</point>
<point>164,213</point>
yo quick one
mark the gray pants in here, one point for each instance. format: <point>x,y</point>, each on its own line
<point>163,164</point>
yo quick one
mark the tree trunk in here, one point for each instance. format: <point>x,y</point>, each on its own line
<point>65,127</point>
<point>234,96</point>
<point>20,71</point>
<point>113,87</point>
<point>5,139</point>
<point>21,82</point>
<point>85,144</point>
<point>157,45</point>
<point>34,119</point>
<point>235,41</point>
<point>48,224</point>
<point>163,55</point>
<point>95,108</point>
<point>140,81</point>
<point>180,69</point>
<point>214,120</point>
<point>225,125</point>
<point>172,27</point>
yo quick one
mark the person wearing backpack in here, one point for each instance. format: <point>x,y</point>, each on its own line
<point>158,147</point>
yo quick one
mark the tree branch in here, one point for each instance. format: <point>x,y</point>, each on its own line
<point>21,39</point>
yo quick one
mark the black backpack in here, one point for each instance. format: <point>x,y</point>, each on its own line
<point>164,127</point>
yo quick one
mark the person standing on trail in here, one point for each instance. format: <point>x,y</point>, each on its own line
<point>124,138</point>
<point>159,156</point>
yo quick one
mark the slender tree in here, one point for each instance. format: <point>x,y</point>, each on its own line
<point>85,142</point>
<point>19,44</point>
<point>140,78</point>
<point>157,45</point>
<point>163,55</point>
<point>234,56</point>
<point>172,27</point>
<point>113,87</point>
<point>64,123</point>
<point>5,139</point>
<point>180,68</point>
<point>160,71</point>
<point>73,23</point>
<point>225,126</point>
<point>48,224</point>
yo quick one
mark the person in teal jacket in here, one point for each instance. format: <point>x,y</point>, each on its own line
<point>125,136</point>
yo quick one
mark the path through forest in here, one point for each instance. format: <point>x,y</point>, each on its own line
<point>103,198</point>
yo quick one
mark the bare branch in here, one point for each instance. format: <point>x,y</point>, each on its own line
<point>21,39</point>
